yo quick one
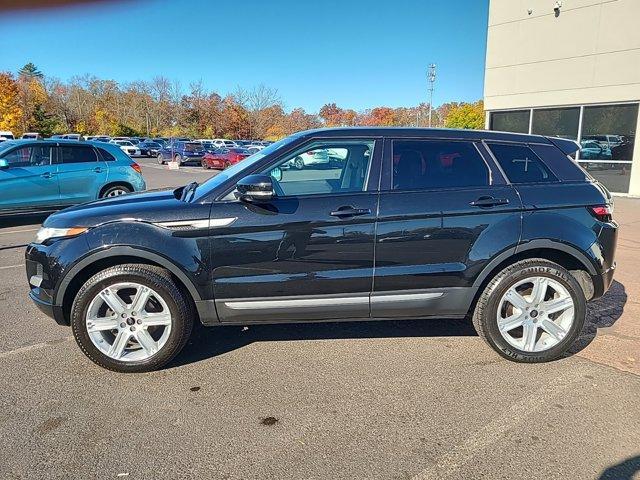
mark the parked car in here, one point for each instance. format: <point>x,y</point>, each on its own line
<point>127,147</point>
<point>149,148</point>
<point>72,136</point>
<point>31,136</point>
<point>6,135</point>
<point>592,150</point>
<point>46,175</point>
<point>224,157</point>
<point>312,158</point>
<point>221,142</point>
<point>181,152</point>
<point>501,227</point>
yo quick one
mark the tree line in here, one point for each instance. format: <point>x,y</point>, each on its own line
<point>30,101</point>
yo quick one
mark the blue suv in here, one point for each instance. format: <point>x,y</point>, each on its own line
<point>181,152</point>
<point>42,175</point>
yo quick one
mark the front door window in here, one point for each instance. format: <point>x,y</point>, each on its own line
<point>324,167</point>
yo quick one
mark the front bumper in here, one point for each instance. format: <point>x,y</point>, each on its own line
<point>47,307</point>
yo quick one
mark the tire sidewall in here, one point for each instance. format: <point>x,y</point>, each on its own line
<point>490,310</point>
<point>78,323</point>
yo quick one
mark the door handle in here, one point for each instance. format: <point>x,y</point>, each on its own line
<point>350,211</point>
<point>97,170</point>
<point>488,202</point>
<point>47,175</point>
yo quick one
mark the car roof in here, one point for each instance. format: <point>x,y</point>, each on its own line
<point>424,133</point>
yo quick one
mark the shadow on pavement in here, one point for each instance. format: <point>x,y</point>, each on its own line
<point>624,470</point>
<point>210,342</point>
<point>601,313</point>
<point>22,219</point>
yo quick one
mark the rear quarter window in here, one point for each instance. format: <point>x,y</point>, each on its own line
<point>564,167</point>
<point>106,156</point>
<point>521,164</point>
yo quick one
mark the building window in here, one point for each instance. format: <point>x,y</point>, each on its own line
<point>556,122</point>
<point>608,132</point>
<point>514,121</point>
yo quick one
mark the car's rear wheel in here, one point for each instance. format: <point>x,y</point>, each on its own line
<point>532,311</point>
<point>131,318</point>
<point>161,159</point>
<point>227,164</point>
<point>204,164</point>
<point>115,191</point>
<point>298,163</point>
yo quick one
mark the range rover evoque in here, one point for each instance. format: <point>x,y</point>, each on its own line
<point>503,228</point>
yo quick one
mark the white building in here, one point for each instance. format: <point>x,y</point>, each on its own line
<point>570,68</point>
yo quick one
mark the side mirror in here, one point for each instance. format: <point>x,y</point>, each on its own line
<point>255,188</point>
<point>4,163</point>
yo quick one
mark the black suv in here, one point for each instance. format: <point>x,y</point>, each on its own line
<point>403,223</point>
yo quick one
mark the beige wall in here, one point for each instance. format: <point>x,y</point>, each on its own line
<point>589,54</point>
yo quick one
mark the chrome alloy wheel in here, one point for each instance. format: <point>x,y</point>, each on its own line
<point>535,314</point>
<point>116,192</point>
<point>128,321</point>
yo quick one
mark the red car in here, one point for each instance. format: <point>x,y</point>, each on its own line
<point>224,157</point>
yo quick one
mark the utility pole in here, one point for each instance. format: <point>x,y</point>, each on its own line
<point>431,78</point>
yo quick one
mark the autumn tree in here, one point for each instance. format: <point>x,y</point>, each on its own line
<point>466,115</point>
<point>10,111</point>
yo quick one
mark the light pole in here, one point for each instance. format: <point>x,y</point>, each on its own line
<point>431,78</point>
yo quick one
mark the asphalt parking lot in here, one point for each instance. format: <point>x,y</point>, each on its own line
<point>397,400</point>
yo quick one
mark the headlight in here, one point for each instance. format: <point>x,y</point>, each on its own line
<point>46,233</point>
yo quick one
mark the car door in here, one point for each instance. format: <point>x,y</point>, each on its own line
<point>445,210</point>
<point>308,253</point>
<point>81,173</point>
<point>29,180</point>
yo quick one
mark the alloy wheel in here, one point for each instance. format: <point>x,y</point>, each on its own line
<point>128,321</point>
<point>535,314</point>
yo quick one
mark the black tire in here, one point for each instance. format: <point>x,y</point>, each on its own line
<point>161,160</point>
<point>178,159</point>
<point>204,164</point>
<point>298,163</point>
<point>486,310</point>
<point>154,277</point>
<point>227,164</point>
<point>115,190</point>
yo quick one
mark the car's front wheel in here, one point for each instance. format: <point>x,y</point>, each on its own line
<point>161,159</point>
<point>298,163</point>
<point>532,311</point>
<point>131,318</point>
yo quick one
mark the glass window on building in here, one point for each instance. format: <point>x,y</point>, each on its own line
<point>606,145</point>
<point>514,121</point>
<point>556,122</point>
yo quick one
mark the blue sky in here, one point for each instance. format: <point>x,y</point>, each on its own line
<point>357,53</point>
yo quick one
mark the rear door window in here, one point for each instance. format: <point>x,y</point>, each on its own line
<point>521,164</point>
<point>433,164</point>
<point>77,154</point>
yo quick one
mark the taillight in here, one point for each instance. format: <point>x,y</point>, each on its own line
<point>604,213</point>
<point>136,167</point>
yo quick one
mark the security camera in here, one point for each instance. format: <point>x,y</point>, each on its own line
<point>557,7</point>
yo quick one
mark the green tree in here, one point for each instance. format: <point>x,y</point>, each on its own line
<point>466,115</point>
<point>30,71</point>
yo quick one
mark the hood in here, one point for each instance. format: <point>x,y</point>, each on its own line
<point>149,206</point>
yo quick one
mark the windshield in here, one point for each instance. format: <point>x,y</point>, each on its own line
<point>223,176</point>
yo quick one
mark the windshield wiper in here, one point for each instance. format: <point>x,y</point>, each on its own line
<point>189,191</point>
